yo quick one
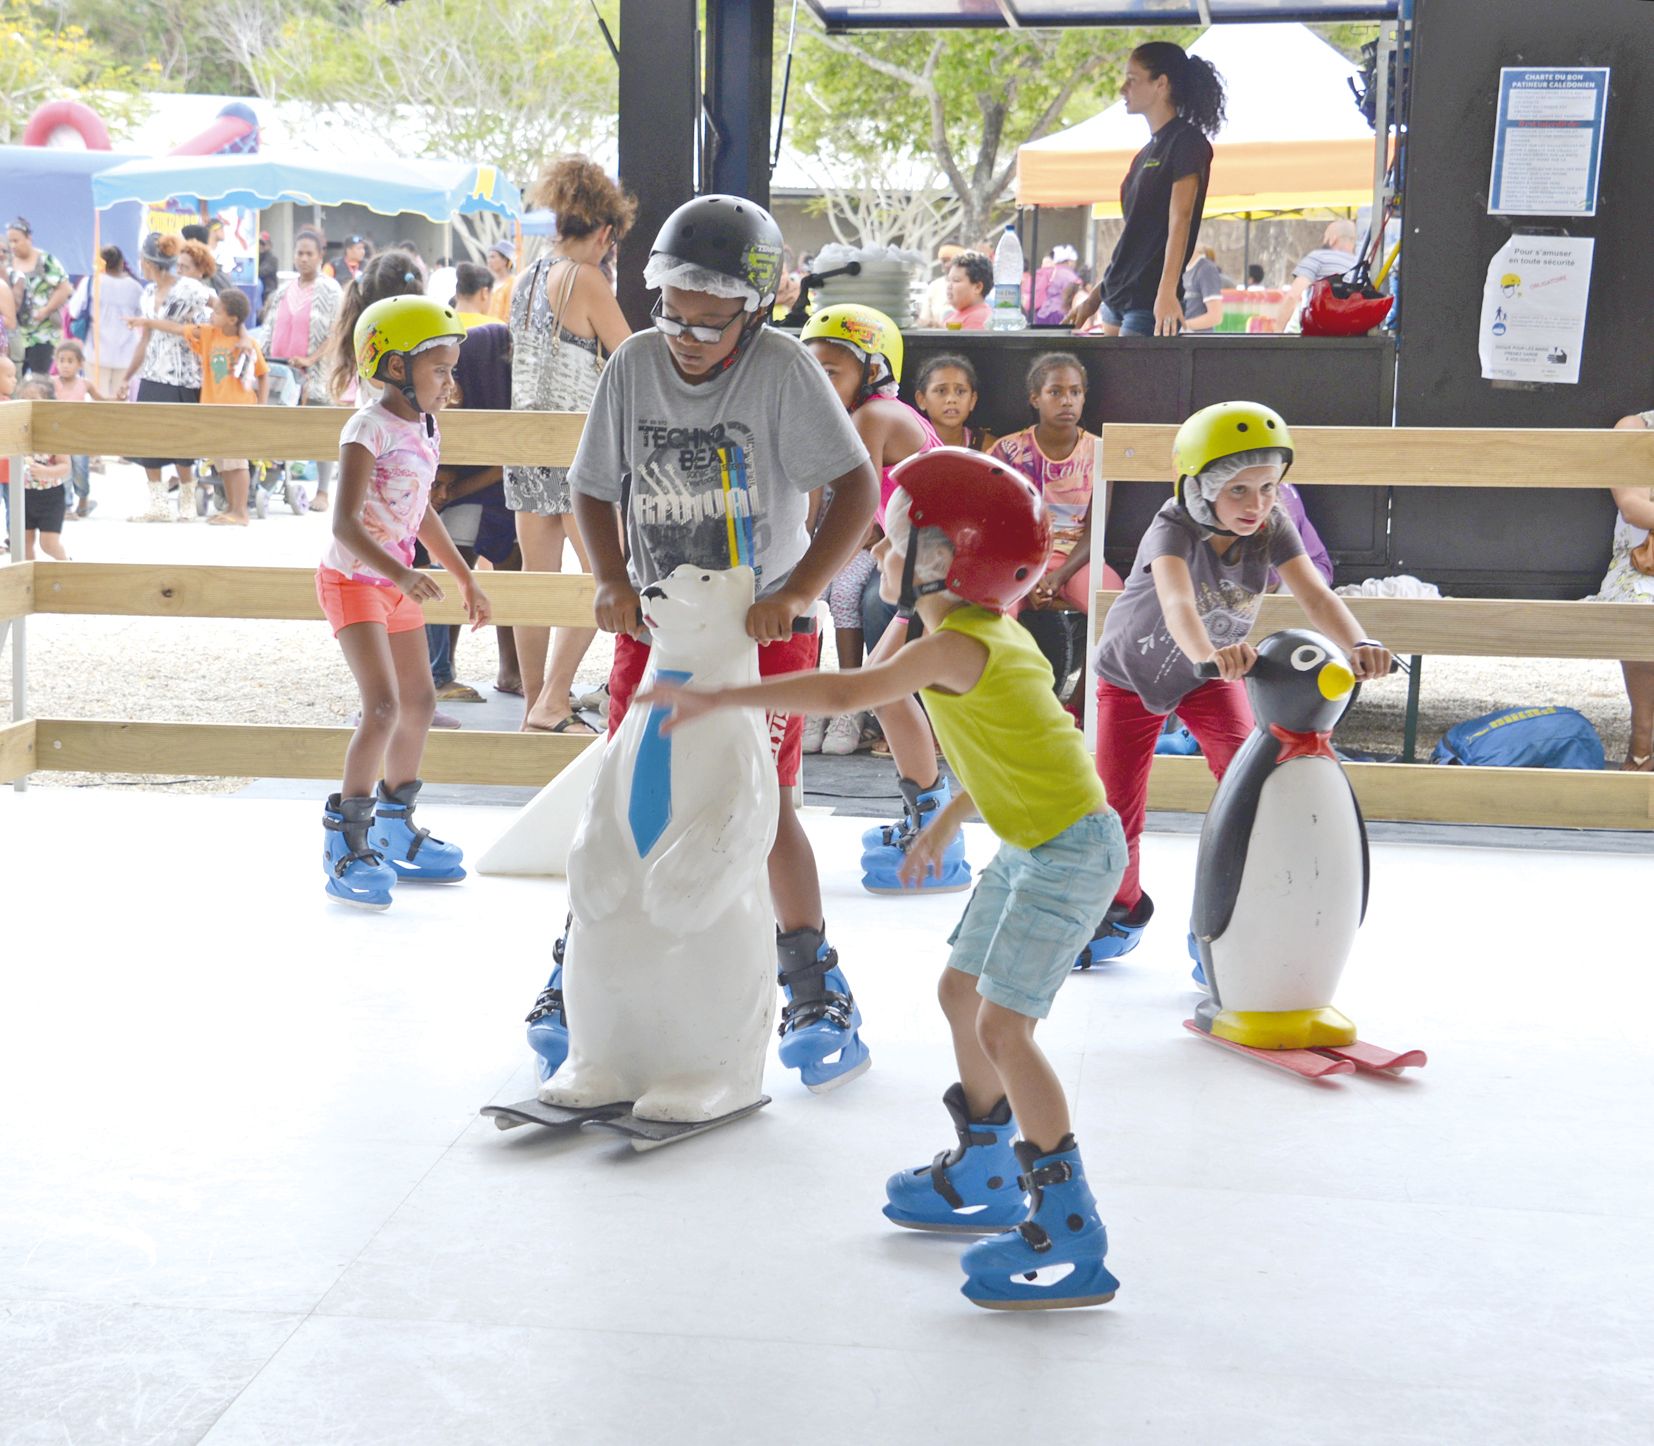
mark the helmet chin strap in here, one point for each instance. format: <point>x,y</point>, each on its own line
<point>406,387</point>
<point>748,332</point>
<point>907,604</point>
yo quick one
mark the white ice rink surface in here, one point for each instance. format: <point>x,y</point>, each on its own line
<point>245,1197</point>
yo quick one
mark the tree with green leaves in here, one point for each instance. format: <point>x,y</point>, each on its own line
<point>44,57</point>
<point>506,83</point>
<point>968,98</point>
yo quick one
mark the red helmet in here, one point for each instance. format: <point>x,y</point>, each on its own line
<point>1343,307</point>
<point>991,513</point>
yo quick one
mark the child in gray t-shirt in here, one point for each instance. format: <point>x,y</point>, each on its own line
<point>704,440</point>
<point>1191,598</point>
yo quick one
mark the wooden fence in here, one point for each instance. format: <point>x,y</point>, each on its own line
<point>1328,456</point>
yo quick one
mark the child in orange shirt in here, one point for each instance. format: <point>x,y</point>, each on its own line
<point>233,373</point>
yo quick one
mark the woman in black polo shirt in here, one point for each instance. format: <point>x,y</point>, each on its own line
<point>1163,194</point>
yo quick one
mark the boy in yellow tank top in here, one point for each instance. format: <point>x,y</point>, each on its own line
<point>966,538</point>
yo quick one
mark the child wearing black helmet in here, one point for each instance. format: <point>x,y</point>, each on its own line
<point>720,428</point>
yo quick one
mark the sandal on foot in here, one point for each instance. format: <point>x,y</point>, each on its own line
<point>226,519</point>
<point>515,691</point>
<point>455,691</point>
<point>1637,763</point>
<point>569,724</point>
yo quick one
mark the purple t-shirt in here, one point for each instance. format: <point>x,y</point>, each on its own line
<point>1136,650</point>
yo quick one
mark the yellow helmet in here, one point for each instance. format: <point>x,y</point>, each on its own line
<point>870,332</point>
<point>1224,429</point>
<point>403,325</point>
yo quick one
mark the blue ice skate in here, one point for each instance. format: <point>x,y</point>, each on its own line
<point>355,873</point>
<point>548,1021</point>
<point>821,1021</point>
<point>1023,1269</point>
<point>885,846</point>
<point>1118,934</point>
<point>969,1190</point>
<point>411,851</point>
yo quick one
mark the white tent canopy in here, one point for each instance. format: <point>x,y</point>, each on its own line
<point>1293,138</point>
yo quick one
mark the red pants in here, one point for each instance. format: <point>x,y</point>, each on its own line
<point>798,654</point>
<point>1217,713</point>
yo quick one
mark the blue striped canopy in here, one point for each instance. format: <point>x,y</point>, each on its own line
<point>436,190</point>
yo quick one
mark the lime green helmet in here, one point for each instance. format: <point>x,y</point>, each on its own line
<point>1225,429</point>
<point>402,325</point>
<point>862,329</point>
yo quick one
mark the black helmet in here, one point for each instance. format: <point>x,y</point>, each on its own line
<point>727,234</point>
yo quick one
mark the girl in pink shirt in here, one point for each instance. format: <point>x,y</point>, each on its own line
<point>371,594</point>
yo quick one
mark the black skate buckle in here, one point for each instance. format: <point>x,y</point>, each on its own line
<point>834,1008</point>
<point>1035,1237</point>
<point>940,1182</point>
<point>549,1001</point>
<point>1059,1174</point>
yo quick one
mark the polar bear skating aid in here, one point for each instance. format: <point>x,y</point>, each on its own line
<point>669,969</point>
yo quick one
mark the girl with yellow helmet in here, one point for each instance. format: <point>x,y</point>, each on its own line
<point>860,349</point>
<point>371,594</point>
<point>1191,598</point>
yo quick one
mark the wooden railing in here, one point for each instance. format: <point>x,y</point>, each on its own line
<point>1326,456</point>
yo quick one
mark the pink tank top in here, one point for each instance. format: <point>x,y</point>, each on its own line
<point>886,486</point>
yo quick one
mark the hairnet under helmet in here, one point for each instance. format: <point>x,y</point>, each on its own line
<point>725,246</point>
<point>1199,492</point>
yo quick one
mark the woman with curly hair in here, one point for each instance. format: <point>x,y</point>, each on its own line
<point>564,320</point>
<point>1163,195</point>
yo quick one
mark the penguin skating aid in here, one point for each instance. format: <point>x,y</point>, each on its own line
<point>884,847</point>
<point>971,1189</point>
<point>1282,874</point>
<point>355,873</point>
<point>821,1021</point>
<point>410,850</point>
<point>1053,1260</point>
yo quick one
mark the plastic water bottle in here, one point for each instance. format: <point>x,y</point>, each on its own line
<point>1007,312</point>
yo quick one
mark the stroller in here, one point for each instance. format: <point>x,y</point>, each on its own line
<point>290,477</point>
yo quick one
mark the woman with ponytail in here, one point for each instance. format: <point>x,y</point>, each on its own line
<point>1163,194</point>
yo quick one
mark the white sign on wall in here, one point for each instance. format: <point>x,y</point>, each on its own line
<point>1533,309</point>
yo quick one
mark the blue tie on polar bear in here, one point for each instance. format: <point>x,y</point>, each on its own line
<point>669,971</point>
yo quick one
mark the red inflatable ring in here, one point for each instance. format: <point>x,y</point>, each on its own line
<point>47,124</point>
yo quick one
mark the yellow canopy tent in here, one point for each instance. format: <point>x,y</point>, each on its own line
<point>1293,139</point>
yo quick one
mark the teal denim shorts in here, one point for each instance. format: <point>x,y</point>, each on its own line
<point>1035,909</point>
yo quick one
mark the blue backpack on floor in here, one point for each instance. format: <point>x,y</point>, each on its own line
<point>1523,738</point>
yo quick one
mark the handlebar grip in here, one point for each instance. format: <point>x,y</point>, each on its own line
<point>1208,670</point>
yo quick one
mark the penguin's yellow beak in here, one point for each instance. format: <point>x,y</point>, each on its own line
<point>1335,682</point>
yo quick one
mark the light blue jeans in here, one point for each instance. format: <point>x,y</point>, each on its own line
<point>1035,909</point>
<point>1139,321</point>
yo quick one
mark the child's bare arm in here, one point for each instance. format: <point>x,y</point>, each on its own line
<point>49,468</point>
<point>943,660</point>
<point>1328,613</point>
<point>264,389</point>
<point>156,323</point>
<point>434,534</point>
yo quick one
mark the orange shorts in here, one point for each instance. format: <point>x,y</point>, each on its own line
<point>347,600</point>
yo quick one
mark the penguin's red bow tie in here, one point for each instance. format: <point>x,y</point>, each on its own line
<point>1301,745</point>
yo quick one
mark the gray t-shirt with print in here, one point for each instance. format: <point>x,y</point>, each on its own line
<point>1136,650</point>
<point>719,473</point>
